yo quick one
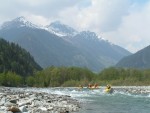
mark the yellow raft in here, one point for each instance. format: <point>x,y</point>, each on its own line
<point>110,90</point>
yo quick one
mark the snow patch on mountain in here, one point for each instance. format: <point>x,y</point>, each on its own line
<point>56,28</point>
<point>61,29</point>
<point>18,22</point>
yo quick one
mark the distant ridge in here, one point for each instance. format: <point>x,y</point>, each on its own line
<point>140,59</point>
<point>60,45</point>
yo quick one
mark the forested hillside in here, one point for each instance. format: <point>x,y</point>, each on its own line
<point>15,59</point>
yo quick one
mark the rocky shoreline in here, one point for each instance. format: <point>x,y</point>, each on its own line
<point>16,101</point>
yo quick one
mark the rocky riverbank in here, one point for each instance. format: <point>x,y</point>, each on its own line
<point>16,101</point>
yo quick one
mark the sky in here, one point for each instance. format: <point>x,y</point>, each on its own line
<point>123,22</point>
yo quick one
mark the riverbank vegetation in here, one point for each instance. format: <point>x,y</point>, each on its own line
<point>127,77</point>
<point>75,76</point>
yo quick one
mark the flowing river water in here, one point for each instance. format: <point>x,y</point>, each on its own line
<point>124,99</point>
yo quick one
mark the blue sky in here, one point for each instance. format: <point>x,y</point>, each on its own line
<point>122,22</point>
<point>140,1</point>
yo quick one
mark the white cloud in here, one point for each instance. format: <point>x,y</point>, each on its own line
<point>103,14</point>
<point>123,22</point>
<point>133,34</point>
<point>38,20</point>
<point>46,8</point>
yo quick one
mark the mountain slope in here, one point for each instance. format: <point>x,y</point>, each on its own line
<point>48,48</point>
<point>140,59</point>
<point>107,54</point>
<point>14,58</point>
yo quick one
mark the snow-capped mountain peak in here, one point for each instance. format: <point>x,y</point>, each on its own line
<point>61,29</point>
<point>88,35</point>
<point>18,22</point>
<point>21,19</point>
<point>92,36</point>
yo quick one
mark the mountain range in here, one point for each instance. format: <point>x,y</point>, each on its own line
<point>58,44</point>
<point>140,60</point>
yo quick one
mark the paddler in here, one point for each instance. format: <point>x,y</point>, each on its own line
<point>109,89</point>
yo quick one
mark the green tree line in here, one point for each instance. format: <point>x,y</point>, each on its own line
<point>75,76</point>
<point>124,76</point>
<point>61,76</point>
<point>11,79</point>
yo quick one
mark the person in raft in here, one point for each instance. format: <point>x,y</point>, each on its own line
<point>109,89</point>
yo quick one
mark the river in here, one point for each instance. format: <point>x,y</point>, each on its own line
<point>125,99</point>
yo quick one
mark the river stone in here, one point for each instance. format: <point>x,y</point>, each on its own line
<point>23,109</point>
<point>13,101</point>
<point>14,109</point>
<point>34,102</point>
<point>9,104</point>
